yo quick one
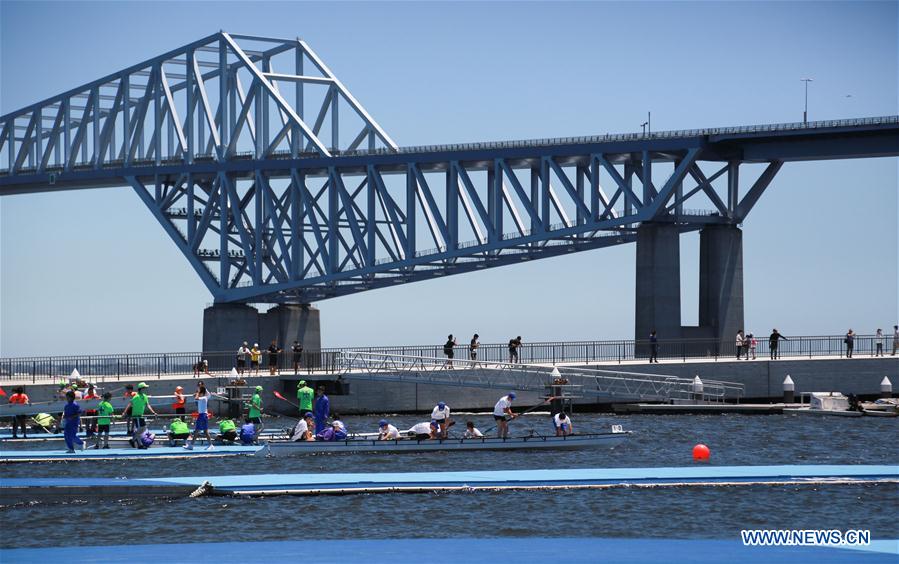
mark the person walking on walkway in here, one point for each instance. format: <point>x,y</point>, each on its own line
<point>739,343</point>
<point>273,351</point>
<point>242,352</point>
<point>895,339</point>
<point>849,340</point>
<point>255,357</point>
<point>753,345</point>
<point>878,344</point>
<point>297,349</point>
<point>653,347</point>
<point>448,350</point>
<point>773,340</point>
<point>473,349</point>
<point>514,345</point>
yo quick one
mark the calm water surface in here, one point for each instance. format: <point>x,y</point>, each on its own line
<point>657,441</point>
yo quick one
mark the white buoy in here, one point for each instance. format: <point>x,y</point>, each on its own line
<point>886,388</point>
<point>697,388</point>
<point>789,390</point>
<point>75,375</point>
<point>555,373</point>
<point>234,373</point>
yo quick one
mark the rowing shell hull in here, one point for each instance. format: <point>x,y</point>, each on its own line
<point>287,448</point>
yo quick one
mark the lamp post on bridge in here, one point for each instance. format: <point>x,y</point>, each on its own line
<point>805,111</point>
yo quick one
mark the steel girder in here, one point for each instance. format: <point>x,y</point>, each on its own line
<point>291,232</point>
<point>278,186</point>
<point>212,100</point>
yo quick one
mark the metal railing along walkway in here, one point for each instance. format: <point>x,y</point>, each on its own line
<point>615,384</point>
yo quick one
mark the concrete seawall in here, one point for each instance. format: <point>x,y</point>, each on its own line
<point>762,379</point>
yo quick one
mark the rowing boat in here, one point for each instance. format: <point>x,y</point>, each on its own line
<point>7,456</point>
<point>535,442</point>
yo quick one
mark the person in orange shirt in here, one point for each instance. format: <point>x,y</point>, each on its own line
<point>180,402</point>
<point>91,425</point>
<point>19,398</point>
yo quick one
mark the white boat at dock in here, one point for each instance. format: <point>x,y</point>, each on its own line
<point>824,403</point>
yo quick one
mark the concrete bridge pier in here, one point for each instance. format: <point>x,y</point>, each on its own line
<point>226,326</point>
<point>658,304</point>
<point>657,284</point>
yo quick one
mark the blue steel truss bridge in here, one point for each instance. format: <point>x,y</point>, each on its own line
<point>279,187</point>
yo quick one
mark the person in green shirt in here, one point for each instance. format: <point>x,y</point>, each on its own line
<point>227,431</point>
<point>178,430</point>
<point>139,404</point>
<point>104,410</point>
<point>255,407</point>
<point>305,395</point>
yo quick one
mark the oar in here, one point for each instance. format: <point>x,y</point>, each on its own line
<point>547,400</point>
<point>282,398</point>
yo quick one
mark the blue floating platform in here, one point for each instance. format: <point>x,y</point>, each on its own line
<point>7,455</point>
<point>28,489</point>
<point>470,550</point>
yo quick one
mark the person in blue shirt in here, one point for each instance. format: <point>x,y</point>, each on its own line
<point>247,432</point>
<point>71,418</point>
<point>321,410</point>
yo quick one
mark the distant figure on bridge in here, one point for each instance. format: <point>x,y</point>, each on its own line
<point>242,352</point>
<point>878,337</point>
<point>201,366</point>
<point>773,340</point>
<point>322,409</point>
<point>273,351</point>
<point>739,342</point>
<point>514,345</point>
<point>473,348</point>
<point>255,357</point>
<point>895,339</point>
<point>297,349</point>
<point>448,350</point>
<point>850,343</point>
<point>753,345</point>
<point>653,347</point>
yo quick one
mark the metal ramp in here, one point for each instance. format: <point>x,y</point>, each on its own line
<point>610,384</point>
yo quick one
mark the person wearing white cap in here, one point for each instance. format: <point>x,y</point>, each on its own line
<point>441,414</point>
<point>242,352</point>
<point>502,409</point>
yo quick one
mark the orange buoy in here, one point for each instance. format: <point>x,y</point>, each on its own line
<point>701,453</point>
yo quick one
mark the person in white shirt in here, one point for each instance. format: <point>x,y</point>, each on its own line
<point>563,424</point>
<point>502,409</point>
<point>387,432</point>
<point>423,431</point>
<point>304,429</point>
<point>441,414</point>
<point>242,352</point>
<point>471,432</point>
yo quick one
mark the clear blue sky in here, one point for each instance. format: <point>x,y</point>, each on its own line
<point>91,272</point>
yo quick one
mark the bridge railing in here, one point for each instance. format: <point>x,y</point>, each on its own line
<point>621,384</point>
<point>326,361</point>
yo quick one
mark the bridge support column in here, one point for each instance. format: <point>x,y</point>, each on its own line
<point>658,284</point>
<point>226,326</point>
<point>721,283</point>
